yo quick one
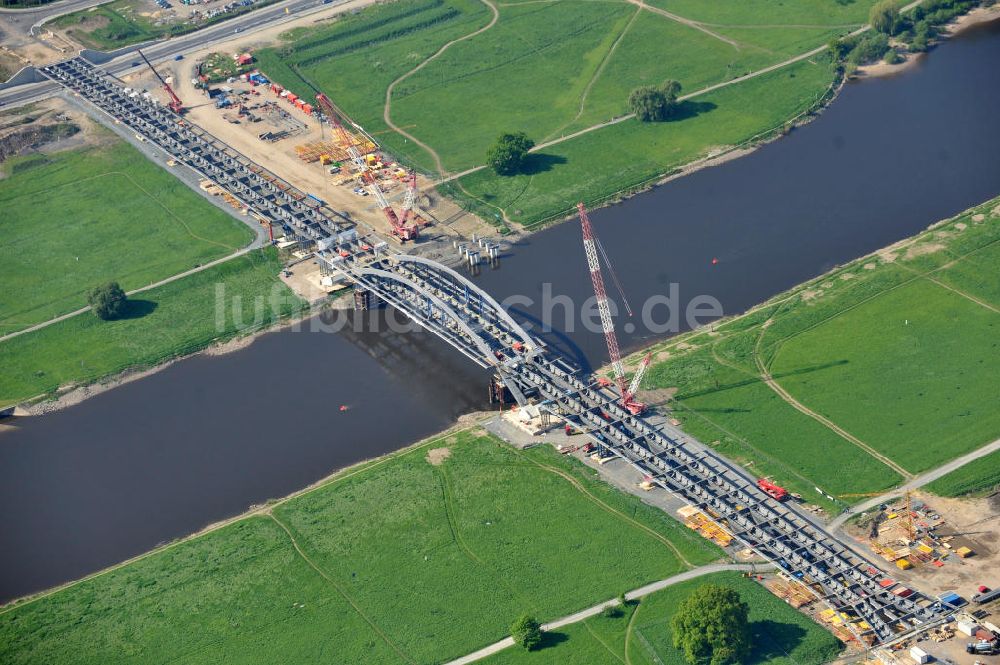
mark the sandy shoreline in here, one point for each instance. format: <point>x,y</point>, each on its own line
<point>977,16</point>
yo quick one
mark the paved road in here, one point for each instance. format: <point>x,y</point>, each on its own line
<point>694,573</point>
<point>167,49</point>
<point>913,484</point>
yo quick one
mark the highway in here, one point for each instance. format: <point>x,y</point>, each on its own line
<point>122,60</point>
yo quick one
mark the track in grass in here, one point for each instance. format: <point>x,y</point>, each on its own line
<point>373,554</point>
<point>80,218</point>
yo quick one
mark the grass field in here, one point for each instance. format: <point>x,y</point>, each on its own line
<point>641,635</point>
<point>980,478</point>
<point>632,153</point>
<point>552,68</point>
<point>76,219</point>
<point>878,347</point>
<point>401,561</point>
<point>171,320</point>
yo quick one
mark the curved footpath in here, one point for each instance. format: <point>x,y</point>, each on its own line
<point>576,617</point>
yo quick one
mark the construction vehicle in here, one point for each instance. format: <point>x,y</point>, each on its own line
<point>397,226</point>
<point>175,102</point>
<point>591,246</point>
<point>982,648</point>
<point>776,492</point>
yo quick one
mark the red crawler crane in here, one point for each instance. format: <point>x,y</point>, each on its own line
<point>399,228</point>
<point>175,102</point>
<point>627,391</point>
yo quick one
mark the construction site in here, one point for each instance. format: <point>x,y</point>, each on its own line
<point>356,217</point>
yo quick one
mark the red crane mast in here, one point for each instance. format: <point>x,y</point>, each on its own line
<point>591,247</point>
<point>175,102</point>
<point>399,228</point>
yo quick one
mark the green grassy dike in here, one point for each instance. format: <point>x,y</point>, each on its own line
<point>169,321</point>
<point>398,560</point>
<point>899,349</point>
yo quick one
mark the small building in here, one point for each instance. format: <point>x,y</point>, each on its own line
<point>952,599</point>
<point>967,628</point>
<point>919,655</point>
<point>243,59</point>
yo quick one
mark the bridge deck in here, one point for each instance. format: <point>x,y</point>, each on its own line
<point>472,322</point>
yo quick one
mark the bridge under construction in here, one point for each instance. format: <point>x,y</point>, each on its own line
<point>452,307</point>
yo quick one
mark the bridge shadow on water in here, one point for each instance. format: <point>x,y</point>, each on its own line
<point>558,342</point>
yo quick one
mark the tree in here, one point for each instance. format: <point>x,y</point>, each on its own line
<point>711,626</point>
<point>526,632</point>
<point>653,104</point>
<point>891,57</point>
<point>884,16</point>
<point>108,301</point>
<point>507,155</point>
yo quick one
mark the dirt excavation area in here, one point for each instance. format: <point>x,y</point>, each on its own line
<point>258,121</point>
<point>47,127</point>
<point>935,544</point>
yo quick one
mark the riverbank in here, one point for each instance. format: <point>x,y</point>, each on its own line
<point>71,395</point>
<point>167,323</point>
<point>470,538</point>
<point>904,325</point>
<point>977,16</point>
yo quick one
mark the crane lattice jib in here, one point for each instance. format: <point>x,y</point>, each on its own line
<point>589,245</point>
<point>633,387</point>
<point>358,160</point>
<point>411,196</point>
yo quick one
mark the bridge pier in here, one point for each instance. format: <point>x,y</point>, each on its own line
<point>365,300</point>
<point>499,392</point>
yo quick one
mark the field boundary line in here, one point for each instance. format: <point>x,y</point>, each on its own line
<point>173,278</point>
<point>402,654</point>
<point>685,21</point>
<point>597,73</point>
<point>602,642</point>
<point>594,610</point>
<point>787,397</point>
<point>965,295</point>
<point>387,110</point>
<point>451,515</point>
<point>583,490</point>
<point>917,482</point>
<point>260,511</point>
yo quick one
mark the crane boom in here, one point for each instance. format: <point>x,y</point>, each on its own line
<point>593,262</point>
<point>411,196</point>
<point>399,228</point>
<point>633,387</point>
<point>175,102</point>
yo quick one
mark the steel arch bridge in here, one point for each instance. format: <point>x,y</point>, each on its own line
<point>469,319</point>
<point>877,610</point>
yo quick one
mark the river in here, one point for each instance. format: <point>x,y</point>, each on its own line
<point>202,440</point>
